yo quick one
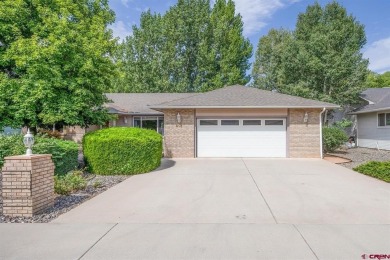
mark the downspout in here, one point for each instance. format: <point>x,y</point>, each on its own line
<point>321,148</point>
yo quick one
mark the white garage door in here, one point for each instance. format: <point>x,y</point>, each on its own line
<point>241,137</point>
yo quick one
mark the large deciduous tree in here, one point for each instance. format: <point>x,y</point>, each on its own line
<point>376,80</point>
<point>191,48</point>
<point>54,61</point>
<point>320,59</point>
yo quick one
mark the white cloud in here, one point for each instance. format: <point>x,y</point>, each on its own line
<point>255,13</point>
<point>379,55</point>
<point>121,29</point>
<point>126,2</point>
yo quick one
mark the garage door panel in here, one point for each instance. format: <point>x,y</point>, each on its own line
<point>242,141</point>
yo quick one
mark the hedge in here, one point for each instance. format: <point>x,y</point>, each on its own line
<point>333,138</point>
<point>379,170</point>
<point>122,150</point>
<point>64,153</point>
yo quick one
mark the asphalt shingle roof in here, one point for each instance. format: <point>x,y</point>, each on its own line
<point>242,96</point>
<point>138,103</point>
<point>378,99</point>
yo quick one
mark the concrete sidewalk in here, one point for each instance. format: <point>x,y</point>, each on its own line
<point>192,241</point>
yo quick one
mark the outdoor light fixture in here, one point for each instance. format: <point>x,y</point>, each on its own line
<point>306,117</point>
<point>178,119</point>
<point>125,119</point>
<point>28,141</point>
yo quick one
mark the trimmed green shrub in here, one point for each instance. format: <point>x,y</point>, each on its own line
<point>70,182</point>
<point>64,153</point>
<point>379,170</point>
<point>333,138</point>
<point>10,145</point>
<point>122,150</point>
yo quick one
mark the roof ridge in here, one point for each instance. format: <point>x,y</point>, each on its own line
<point>195,94</point>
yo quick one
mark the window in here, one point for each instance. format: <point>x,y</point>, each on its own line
<point>384,119</point>
<point>149,122</point>
<point>251,122</point>
<point>230,122</point>
<point>273,122</point>
<point>208,122</point>
<point>137,121</point>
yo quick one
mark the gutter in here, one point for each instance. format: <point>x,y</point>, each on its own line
<point>369,111</point>
<point>197,107</point>
<point>321,146</point>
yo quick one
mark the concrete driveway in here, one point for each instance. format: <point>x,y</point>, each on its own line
<point>220,209</point>
<point>262,191</point>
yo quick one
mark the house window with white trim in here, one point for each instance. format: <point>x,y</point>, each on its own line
<point>150,122</point>
<point>384,119</point>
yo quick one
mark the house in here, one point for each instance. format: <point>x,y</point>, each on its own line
<point>239,121</point>
<point>132,109</point>
<point>234,121</point>
<point>373,119</point>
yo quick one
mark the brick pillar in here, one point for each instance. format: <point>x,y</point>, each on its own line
<point>28,184</point>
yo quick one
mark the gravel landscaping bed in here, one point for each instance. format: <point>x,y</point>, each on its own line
<point>63,204</point>
<point>361,155</point>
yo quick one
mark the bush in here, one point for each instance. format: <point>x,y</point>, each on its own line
<point>64,153</point>
<point>379,170</point>
<point>70,182</point>
<point>122,150</point>
<point>344,123</point>
<point>333,138</point>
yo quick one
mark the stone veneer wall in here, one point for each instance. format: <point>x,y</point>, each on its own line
<point>28,184</point>
<point>304,138</point>
<point>179,140</point>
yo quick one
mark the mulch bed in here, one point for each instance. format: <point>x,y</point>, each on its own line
<point>63,204</point>
<point>360,155</point>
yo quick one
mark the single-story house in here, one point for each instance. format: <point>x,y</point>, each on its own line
<point>234,121</point>
<point>373,119</point>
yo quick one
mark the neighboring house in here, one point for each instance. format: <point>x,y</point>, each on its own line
<point>234,121</point>
<point>373,119</point>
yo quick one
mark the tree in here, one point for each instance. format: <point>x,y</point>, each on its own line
<point>267,68</point>
<point>54,62</point>
<point>376,80</point>
<point>191,48</point>
<point>322,59</point>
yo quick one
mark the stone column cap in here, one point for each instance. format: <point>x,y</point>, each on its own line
<point>27,157</point>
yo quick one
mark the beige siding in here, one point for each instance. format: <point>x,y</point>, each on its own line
<point>92,128</point>
<point>243,112</point>
<point>179,139</point>
<point>74,133</point>
<point>124,121</point>
<point>303,139</point>
<point>370,135</point>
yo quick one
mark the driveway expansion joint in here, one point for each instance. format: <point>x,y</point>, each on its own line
<point>261,194</point>
<point>89,249</point>
<point>304,239</point>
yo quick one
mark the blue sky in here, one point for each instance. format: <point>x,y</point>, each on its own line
<point>260,16</point>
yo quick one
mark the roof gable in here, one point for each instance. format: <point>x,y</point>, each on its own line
<point>138,103</point>
<point>378,99</point>
<point>242,96</point>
